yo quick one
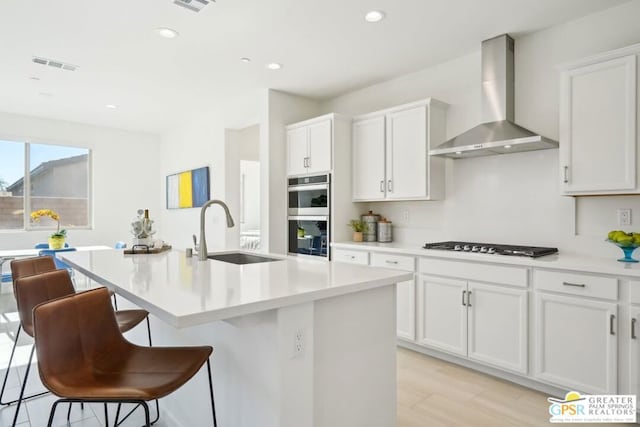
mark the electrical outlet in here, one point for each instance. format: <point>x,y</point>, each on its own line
<point>405,216</point>
<point>624,216</point>
<point>298,343</point>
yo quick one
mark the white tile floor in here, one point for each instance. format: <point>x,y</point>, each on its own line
<point>35,413</point>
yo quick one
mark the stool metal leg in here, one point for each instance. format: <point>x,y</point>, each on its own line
<point>24,385</point>
<point>213,405</point>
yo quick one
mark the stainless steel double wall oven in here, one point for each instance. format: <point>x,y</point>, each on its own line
<point>309,215</point>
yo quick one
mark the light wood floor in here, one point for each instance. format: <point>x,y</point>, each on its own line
<point>433,393</point>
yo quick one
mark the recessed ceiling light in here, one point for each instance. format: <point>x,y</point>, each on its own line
<point>45,94</point>
<point>245,59</point>
<point>34,78</point>
<point>110,106</point>
<point>274,66</point>
<point>374,16</point>
<point>458,153</point>
<point>167,33</point>
<point>507,146</point>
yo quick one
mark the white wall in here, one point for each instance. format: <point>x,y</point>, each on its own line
<point>125,171</point>
<point>512,198</point>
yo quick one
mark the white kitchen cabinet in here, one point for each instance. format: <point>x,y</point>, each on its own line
<point>497,326</point>
<point>369,159</point>
<point>576,343</point>
<point>598,115</point>
<point>443,314</point>
<point>390,153</point>
<point>405,292</point>
<point>487,323</point>
<point>634,350</point>
<point>309,146</point>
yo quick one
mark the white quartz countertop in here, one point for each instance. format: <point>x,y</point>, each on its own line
<point>559,261</point>
<point>185,291</point>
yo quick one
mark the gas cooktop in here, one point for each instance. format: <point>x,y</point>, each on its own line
<point>491,248</point>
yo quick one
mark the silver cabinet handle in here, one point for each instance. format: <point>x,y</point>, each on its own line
<point>389,188</point>
<point>566,174</point>
<point>391,262</point>
<point>469,299</point>
<point>304,162</point>
<point>308,162</point>
<point>633,328</point>
<point>382,186</point>
<point>576,285</point>
<point>464,293</point>
<point>612,320</point>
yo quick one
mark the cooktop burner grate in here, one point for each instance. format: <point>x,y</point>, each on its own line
<point>492,248</point>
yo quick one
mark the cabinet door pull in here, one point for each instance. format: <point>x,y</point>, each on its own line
<point>464,293</point>
<point>389,188</point>
<point>566,174</point>
<point>382,186</point>
<point>304,162</point>
<point>576,285</point>
<point>391,262</point>
<point>469,299</point>
<point>633,328</point>
<point>308,162</point>
<point>612,320</point>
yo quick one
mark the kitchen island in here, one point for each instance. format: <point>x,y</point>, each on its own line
<point>296,342</point>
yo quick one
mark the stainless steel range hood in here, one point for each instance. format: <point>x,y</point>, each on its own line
<point>498,134</point>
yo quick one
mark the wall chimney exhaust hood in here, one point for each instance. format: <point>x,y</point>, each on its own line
<point>498,134</point>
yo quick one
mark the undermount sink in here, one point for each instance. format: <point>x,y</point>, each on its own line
<point>241,258</point>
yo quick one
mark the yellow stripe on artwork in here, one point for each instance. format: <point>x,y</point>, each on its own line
<point>185,190</point>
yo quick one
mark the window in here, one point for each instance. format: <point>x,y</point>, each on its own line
<point>43,176</point>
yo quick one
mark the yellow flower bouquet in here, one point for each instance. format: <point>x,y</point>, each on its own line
<point>56,240</point>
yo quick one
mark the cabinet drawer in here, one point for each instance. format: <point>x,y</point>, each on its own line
<point>506,275</point>
<point>576,284</point>
<point>398,262</point>
<point>352,257</point>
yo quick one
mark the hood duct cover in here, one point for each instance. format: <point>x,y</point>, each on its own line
<point>499,134</point>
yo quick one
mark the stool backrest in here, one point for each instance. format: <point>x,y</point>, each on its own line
<point>77,334</point>
<point>24,267</point>
<point>39,288</point>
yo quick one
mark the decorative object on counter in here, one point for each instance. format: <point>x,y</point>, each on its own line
<point>300,232</point>
<point>628,242</point>
<point>142,228</point>
<point>384,231</point>
<point>371,233</point>
<point>56,240</point>
<point>359,227</point>
<point>189,189</point>
<point>144,249</point>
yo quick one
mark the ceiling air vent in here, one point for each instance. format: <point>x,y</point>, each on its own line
<point>54,63</point>
<point>194,5</point>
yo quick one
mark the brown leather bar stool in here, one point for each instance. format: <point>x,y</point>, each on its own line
<point>83,356</point>
<point>26,267</point>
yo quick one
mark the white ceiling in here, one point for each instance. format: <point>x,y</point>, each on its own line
<point>326,48</point>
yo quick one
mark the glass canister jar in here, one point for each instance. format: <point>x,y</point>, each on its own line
<point>384,231</point>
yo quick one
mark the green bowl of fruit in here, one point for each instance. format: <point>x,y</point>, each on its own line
<point>628,242</point>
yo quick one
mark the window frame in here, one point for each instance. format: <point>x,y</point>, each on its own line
<point>27,224</point>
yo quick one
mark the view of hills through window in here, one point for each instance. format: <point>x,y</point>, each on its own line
<point>57,179</point>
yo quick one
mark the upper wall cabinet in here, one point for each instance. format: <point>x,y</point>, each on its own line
<point>309,146</point>
<point>390,153</point>
<point>598,116</point>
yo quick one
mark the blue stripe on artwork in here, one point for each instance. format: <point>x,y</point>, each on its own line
<point>200,186</point>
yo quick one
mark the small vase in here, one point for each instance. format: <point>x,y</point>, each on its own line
<point>142,241</point>
<point>357,236</point>
<point>56,242</point>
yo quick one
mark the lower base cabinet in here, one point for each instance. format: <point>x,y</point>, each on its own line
<point>634,351</point>
<point>576,343</point>
<point>484,322</point>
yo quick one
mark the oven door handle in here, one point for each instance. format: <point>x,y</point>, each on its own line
<point>308,187</point>
<point>308,218</point>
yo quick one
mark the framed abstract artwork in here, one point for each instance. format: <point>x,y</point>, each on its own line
<point>188,189</point>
